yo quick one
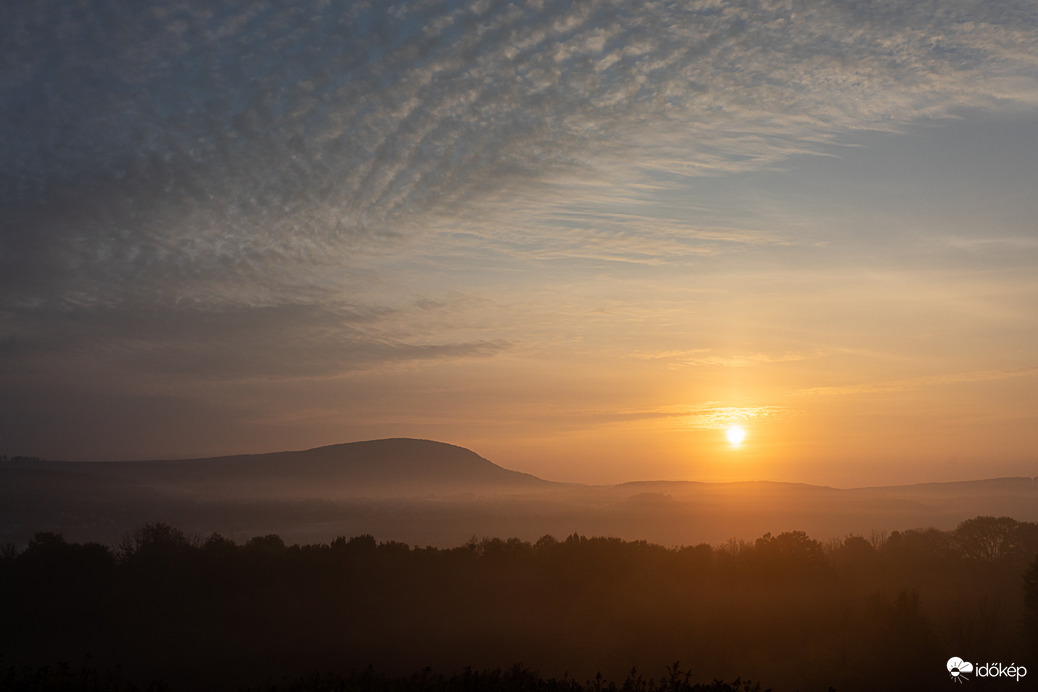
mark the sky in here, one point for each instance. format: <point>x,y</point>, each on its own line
<point>580,238</point>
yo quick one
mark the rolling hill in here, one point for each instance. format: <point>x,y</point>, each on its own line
<point>432,493</point>
<point>376,468</point>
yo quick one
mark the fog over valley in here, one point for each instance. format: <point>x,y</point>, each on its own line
<point>429,493</point>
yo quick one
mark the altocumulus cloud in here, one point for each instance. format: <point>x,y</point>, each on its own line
<point>233,164</point>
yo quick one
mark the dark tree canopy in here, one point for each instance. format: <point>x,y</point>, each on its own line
<point>785,609</point>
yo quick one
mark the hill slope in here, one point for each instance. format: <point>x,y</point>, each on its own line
<point>431,493</point>
<point>392,467</point>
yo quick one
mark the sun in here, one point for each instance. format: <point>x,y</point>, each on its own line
<point>735,435</point>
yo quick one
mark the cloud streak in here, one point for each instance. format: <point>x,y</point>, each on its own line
<point>146,143</point>
<point>707,357</point>
<point>912,383</point>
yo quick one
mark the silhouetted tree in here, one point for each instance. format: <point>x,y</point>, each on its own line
<point>854,554</point>
<point>365,543</point>
<point>271,544</point>
<point>986,538</point>
<point>789,553</point>
<point>923,551</point>
<point>154,542</point>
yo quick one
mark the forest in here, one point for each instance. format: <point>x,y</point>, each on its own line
<point>167,610</point>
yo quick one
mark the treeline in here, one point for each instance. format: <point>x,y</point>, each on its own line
<point>18,458</point>
<point>785,609</point>
<point>516,679</point>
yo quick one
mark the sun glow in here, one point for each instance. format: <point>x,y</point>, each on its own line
<point>735,435</point>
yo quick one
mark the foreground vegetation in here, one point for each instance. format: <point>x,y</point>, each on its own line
<point>785,610</point>
<point>515,679</point>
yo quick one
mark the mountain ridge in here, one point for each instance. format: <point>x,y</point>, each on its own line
<point>434,493</point>
<point>405,465</point>
<point>397,454</point>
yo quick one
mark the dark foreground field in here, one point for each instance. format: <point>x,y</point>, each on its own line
<point>168,611</point>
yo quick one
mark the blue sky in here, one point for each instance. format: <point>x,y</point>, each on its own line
<point>580,238</point>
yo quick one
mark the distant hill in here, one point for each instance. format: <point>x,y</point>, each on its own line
<point>431,493</point>
<point>376,468</point>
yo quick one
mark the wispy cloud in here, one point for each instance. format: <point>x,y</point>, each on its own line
<point>222,343</point>
<point>715,416</point>
<point>910,383</point>
<point>709,357</point>
<point>710,415</point>
<point>171,142</point>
